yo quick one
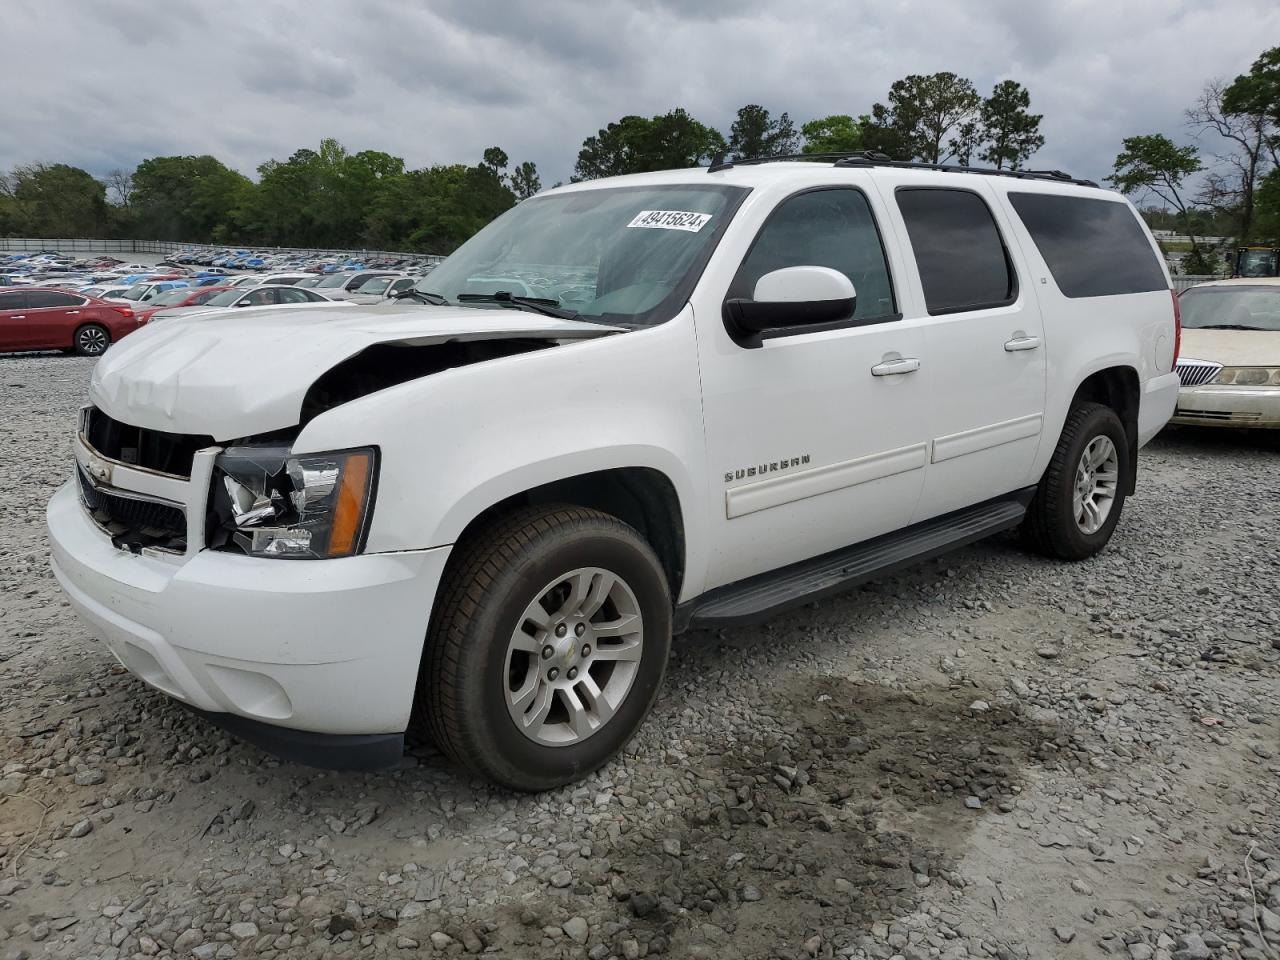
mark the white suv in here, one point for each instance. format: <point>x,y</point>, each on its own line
<point>625,408</point>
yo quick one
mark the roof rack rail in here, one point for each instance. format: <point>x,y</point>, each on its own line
<point>870,158</point>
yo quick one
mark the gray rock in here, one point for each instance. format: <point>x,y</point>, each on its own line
<point>576,929</point>
<point>187,941</point>
<point>243,930</point>
<point>82,828</point>
<point>1064,934</point>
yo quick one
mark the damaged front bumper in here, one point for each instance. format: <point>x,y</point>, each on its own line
<point>272,649</point>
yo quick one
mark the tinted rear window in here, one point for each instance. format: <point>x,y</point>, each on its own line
<point>1094,248</point>
<point>962,260</point>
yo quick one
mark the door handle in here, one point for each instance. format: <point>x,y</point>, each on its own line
<point>1021,343</point>
<point>893,368</point>
<point>73,313</point>
<point>20,316</point>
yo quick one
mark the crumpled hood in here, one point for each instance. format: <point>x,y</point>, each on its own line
<point>227,375</point>
<point>1232,348</point>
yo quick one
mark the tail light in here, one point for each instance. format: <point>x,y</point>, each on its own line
<point>1177,328</point>
<point>126,312</point>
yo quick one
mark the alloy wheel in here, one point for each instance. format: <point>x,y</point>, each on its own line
<point>1097,479</point>
<point>573,657</point>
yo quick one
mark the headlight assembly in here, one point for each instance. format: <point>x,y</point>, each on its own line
<point>1248,377</point>
<point>267,502</point>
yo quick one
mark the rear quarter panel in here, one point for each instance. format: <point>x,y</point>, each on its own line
<point>1086,334</point>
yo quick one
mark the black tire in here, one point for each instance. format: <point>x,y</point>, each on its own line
<point>490,580</point>
<point>1050,527</point>
<point>92,340</point>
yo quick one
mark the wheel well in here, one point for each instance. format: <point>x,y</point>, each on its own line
<point>1117,388</point>
<point>639,496</point>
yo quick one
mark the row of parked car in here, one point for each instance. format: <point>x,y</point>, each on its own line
<point>52,302</point>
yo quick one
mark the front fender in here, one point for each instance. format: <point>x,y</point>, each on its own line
<point>454,443</point>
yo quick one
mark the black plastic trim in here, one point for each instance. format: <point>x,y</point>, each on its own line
<point>760,597</point>
<point>871,158</point>
<point>327,751</point>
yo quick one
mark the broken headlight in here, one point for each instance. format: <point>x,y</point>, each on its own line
<point>268,502</point>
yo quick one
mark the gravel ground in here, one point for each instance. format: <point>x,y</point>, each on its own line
<point>990,756</point>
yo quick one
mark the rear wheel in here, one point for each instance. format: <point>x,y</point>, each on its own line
<point>1081,495</point>
<point>547,647</point>
<point>92,340</point>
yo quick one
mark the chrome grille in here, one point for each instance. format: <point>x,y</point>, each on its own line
<point>1196,373</point>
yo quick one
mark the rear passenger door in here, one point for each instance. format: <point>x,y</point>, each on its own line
<point>984,353</point>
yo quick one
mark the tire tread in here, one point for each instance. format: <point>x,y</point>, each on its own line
<point>468,582</point>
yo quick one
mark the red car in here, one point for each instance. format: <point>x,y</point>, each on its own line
<point>43,318</point>
<point>180,297</point>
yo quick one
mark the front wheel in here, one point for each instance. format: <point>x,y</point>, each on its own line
<point>1078,502</point>
<point>547,647</point>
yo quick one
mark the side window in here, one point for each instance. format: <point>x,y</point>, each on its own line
<point>37,299</point>
<point>292,296</point>
<point>13,301</point>
<point>823,228</point>
<point>962,259</point>
<point>403,284</point>
<point>1093,247</point>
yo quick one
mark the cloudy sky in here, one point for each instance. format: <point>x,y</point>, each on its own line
<point>106,83</point>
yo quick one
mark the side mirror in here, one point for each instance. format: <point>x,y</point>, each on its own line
<point>791,298</point>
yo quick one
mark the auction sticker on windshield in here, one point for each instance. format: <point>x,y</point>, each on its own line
<point>670,220</point>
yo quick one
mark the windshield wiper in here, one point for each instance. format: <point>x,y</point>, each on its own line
<point>1224,326</point>
<point>432,298</point>
<point>542,305</point>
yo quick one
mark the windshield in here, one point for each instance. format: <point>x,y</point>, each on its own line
<point>376,285</point>
<point>623,254</point>
<point>136,291</point>
<point>170,296</point>
<point>1251,308</point>
<point>333,280</point>
<point>225,299</point>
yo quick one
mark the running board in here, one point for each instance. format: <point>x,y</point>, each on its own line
<point>760,597</point>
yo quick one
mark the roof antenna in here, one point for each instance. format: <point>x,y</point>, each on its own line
<point>719,163</point>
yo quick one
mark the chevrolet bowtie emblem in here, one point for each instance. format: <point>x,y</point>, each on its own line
<point>100,471</point>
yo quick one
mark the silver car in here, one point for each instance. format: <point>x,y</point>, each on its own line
<point>264,295</point>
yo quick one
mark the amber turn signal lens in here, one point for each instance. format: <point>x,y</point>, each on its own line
<point>353,491</point>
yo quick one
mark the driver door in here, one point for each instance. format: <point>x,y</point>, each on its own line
<point>815,440</point>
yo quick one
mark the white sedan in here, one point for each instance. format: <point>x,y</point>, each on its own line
<point>1230,357</point>
<point>265,295</point>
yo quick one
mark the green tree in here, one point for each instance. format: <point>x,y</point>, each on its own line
<point>495,159</point>
<point>638,145</point>
<point>525,181</point>
<point>184,198</point>
<point>1268,220</point>
<point>1153,165</point>
<point>926,117</point>
<point>1010,132</point>
<point>1244,116</point>
<point>838,133</point>
<point>55,200</point>
<point>755,133</point>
